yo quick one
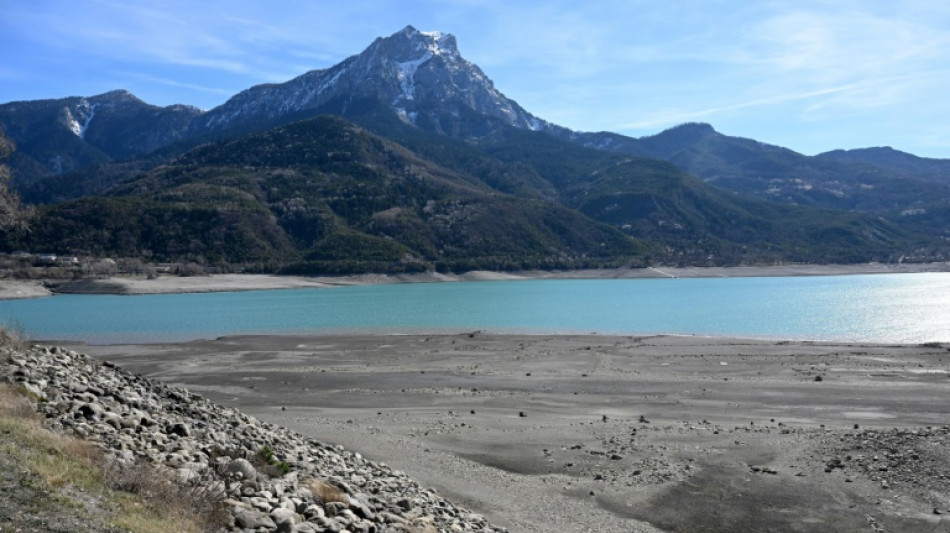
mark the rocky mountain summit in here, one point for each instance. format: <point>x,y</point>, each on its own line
<point>269,478</point>
<point>421,76</point>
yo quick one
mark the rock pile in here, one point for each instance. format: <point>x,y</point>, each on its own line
<point>914,458</point>
<point>270,478</point>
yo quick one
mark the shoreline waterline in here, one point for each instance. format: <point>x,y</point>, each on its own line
<point>132,285</point>
<point>903,309</point>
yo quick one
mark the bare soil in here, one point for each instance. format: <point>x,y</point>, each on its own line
<point>599,433</point>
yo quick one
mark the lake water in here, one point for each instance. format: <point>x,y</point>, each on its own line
<point>875,308</point>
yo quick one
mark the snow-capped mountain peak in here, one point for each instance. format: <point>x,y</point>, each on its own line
<point>419,75</point>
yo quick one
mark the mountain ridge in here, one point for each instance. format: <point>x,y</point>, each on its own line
<point>414,89</point>
<point>421,76</point>
<point>325,196</point>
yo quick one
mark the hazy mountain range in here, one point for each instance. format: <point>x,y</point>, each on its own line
<point>406,157</point>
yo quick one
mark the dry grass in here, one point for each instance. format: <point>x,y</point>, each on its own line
<point>326,492</point>
<point>139,499</point>
<point>200,502</point>
<point>60,460</point>
<point>16,404</point>
<point>422,525</point>
<point>14,337</point>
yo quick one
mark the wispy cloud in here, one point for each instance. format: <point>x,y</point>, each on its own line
<point>813,61</point>
<point>176,83</point>
<point>670,117</point>
<point>609,64</point>
<point>845,42</point>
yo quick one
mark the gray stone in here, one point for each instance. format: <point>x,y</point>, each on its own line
<point>90,411</point>
<point>242,467</point>
<point>180,429</point>
<point>334,508</point>
<point>284,519</point>
<point>313,511</point>
<point>250,519</point>
<point>361,510</point>
<point>391,518</point>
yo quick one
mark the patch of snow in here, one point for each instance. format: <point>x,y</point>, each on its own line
<point>85,126</point>
<point>331,82</point>
<point>75,127</point>
<point>408,118</point>
<point>407,71</point>
<point>435,43</point>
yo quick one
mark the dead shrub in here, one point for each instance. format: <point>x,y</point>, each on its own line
<point>204,496</point>
<point>200,500</point>
<point>423,524</point>
<point>326,492</point>
<point>139,478</point>
<point>16,404</point>
<point>81,450</point>
<point>13,336</point>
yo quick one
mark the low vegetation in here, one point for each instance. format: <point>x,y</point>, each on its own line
<point>51,481</point>
<point>266,461</point>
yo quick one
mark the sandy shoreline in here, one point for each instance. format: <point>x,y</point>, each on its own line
<point>10,289</point>
<point>16,289</point>
<point>602,433</point>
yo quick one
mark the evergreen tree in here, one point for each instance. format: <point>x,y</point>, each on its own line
<point>13,218</point>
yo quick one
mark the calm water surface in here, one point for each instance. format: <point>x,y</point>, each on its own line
<point>875,308</point>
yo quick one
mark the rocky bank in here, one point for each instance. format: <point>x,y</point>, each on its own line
<point>269,478</point>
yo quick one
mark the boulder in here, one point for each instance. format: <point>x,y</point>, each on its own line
<point>251,519</point>
<point>243,467</point>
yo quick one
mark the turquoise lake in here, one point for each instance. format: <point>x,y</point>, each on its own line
<point>905,308</point>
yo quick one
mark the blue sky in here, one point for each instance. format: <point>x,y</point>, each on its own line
<point>809,75</point>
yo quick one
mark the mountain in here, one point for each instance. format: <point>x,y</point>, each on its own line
<point>770,172</point>
<point>421,76</point>
<point>897,187</point>
<point>57,136</point>
<point>323,195</point>
<point>887,158</point>
<point>695,222</point>
<point>405,156</point>
<point>422,80</point>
